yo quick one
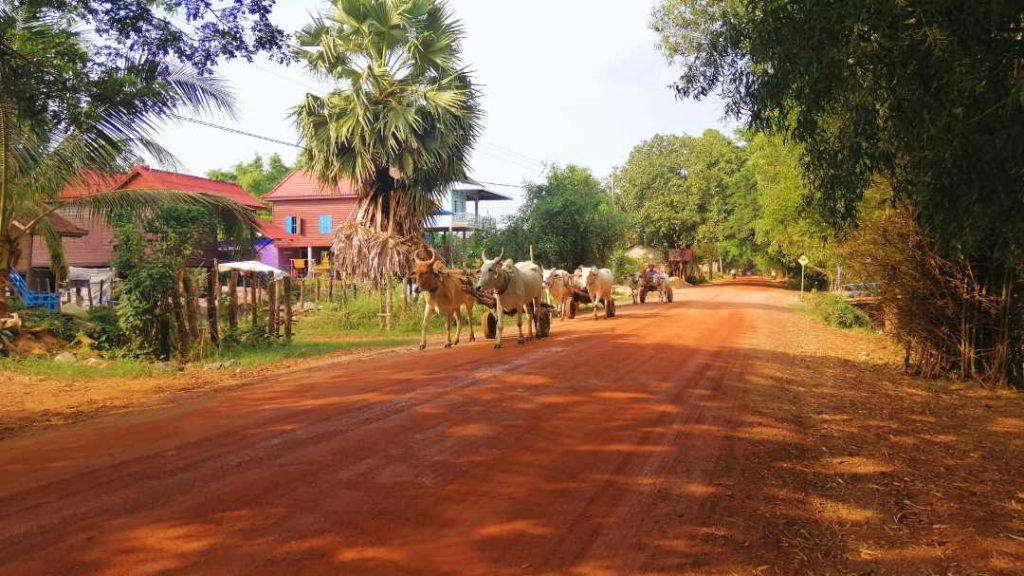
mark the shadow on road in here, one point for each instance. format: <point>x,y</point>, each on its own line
<point>606,454</point>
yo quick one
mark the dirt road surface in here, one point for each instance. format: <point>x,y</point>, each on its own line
<point>664,441</point>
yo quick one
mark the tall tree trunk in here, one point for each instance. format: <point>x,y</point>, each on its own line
<point>181,323</point>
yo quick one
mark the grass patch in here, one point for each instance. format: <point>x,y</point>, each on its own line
<point>834,310</point>
<point>118,368</point>
<point>255,356</point>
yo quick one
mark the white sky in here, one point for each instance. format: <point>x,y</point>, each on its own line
<point>564,81</point>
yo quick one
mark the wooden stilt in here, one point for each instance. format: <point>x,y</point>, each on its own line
<point>288,308</point>
<point>233,301</point>
<point>213,303</point>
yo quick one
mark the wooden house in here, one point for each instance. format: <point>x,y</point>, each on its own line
<point>305,216</point>
<point>95,248</point>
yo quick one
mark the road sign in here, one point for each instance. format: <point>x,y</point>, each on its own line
<point>803,260</point>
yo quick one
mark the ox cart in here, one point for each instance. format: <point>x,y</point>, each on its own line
<point>641,286</point>
<point>579,297</point>
<point>489,321</point>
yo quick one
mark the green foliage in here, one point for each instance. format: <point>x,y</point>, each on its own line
<point>405,114</point>
<point>570,220</point>
<point>104,327</point>
<point>359,315</point>
<point>257,176</point>
<point>787,226</point>
<point>920,98</point>
<point>60,325</point>
<point>622,265</point>
<point>150,255</point>
<point>833,309</point>
<point>680,190</point>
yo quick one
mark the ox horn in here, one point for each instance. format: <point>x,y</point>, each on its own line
<point>501,254</point>
<point>483,254</point>
<point>416,256</point>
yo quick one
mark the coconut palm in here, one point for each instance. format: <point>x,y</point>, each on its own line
<point>58,121</point>
<point>405,114</point>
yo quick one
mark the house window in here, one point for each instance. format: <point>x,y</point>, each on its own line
<point>326,224</point>
<point>291,224</point>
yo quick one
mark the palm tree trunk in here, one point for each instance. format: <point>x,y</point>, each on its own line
<point>7,248</point>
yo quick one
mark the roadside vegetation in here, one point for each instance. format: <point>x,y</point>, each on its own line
<point>834,309</point>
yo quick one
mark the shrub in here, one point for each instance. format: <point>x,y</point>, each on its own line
<point>60,325</point>
<point>834,310</point>
<point>105,329</point>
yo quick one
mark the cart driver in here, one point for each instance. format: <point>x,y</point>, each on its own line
<point>651,274</point>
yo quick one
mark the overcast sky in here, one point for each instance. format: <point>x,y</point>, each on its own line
<point>564,81</point>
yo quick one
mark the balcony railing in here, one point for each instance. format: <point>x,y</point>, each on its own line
<point>465,219</point>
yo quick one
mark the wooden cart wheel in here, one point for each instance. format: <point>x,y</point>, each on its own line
<point>489,325</point>
<point>668,294</point>
<point>609,308</point>
<point>643,295</point>
<point>574,307</point>
<point>544,323</point>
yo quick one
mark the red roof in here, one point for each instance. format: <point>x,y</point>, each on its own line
<point>90,182</point>
<point>60,225</point>
<point>301,185</point>
<point>143,178</point>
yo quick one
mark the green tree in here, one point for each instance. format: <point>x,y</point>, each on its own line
<point>925,96</point>
<point>99,120</point>
<point>405,114</point>
<point>257,176</point>
<point>570,220</point>
<point>787,226</point>
<point>151,255</point>
<point>680,190</point>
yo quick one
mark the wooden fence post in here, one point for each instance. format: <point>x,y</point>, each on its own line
<point>330,287</point>
<point>288,308</point>
<point>233,300</point>
<point>272,308</point>
<point>317,280</point>
<point>302,294</point>
<point>213,302</point>
<point>253,293</point>
<point>191,303</point>
<point>179,320</point>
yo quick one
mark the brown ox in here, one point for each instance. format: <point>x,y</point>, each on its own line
<point>445,293</point>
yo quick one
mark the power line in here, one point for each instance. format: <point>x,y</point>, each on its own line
<point>236,131</point>
<point>283,142</point>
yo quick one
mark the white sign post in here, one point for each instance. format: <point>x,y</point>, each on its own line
<point>803,260</point>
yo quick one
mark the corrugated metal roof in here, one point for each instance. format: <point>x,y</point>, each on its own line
<point>301,184</point>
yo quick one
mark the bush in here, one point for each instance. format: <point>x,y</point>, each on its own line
<point>60,325</point>
<point>104,329</point>
<point>834,310</point>
<point>622,265</point>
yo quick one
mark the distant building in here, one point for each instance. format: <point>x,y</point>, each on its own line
<point>461,209</point>
<point>95,248</point>
<point>305,216</point>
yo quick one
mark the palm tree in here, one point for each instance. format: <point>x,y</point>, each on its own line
<point>58,121</point>
<point>405,115</point>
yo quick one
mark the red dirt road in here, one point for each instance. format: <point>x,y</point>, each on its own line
<point>621,446</point>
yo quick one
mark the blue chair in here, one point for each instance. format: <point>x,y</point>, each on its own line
<point>32,299</point>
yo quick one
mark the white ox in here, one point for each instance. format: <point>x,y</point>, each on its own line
<point>559,284</point>
<point>598,284</point>
<point>517,287</point>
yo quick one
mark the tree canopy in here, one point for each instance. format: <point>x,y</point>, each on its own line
<point>404,115</point>
<point>257,176</point>
<point>679,190</point>
<point>925,94</point>
<point>570,220</point>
